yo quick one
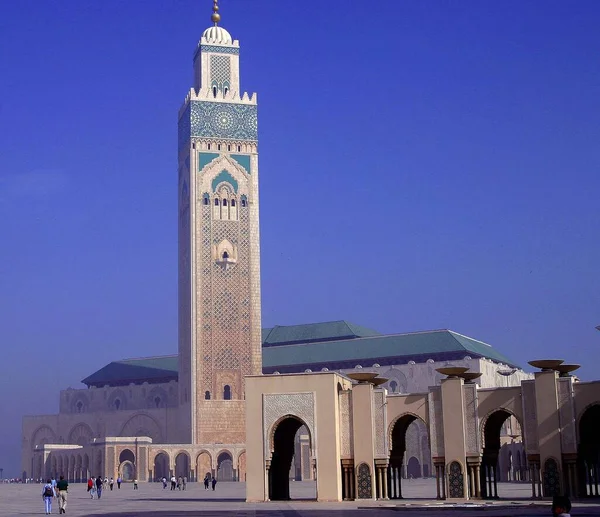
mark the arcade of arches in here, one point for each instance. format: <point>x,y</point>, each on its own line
<point>469,438</point>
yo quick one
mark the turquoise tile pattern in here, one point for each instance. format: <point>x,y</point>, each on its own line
<point>223,120</point>
<point>224,176</point>
<point>205,158</point>
<point>220,50</point>
<point>243,160</point>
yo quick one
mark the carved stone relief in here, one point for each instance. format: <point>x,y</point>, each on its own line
<point>346,430</point>
<point>530,417</point>
<point>436,423</point>
<point>566,414</point>
<point>278,405</point>
<point>380,424</point>
<point>470,394</point>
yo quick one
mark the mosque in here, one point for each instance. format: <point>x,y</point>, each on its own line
<point>244,403</point>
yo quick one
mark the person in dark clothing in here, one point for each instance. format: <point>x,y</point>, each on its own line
<point>206,482</point>
<point>99,486</point>
<point>62,488</point>
<point>214,482</point>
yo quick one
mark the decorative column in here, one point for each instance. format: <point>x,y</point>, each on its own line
<point>385,485</point>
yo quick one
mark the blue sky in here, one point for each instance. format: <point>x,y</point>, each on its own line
<point>423,165</point>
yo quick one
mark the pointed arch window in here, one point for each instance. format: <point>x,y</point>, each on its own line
<point>224,202</point>
<point>227,392</point>
<point>233,202</point>
<point>207,395</point>
<point>216,201</point>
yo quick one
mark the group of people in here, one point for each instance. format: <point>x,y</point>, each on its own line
<point>58,489</point>
<point>179,483</point>
<point>210,480</point>
<point>95,485</point>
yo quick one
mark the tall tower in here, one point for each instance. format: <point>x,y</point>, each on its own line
<point>219,251</point>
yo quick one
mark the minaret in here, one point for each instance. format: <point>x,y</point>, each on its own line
<point>219,251</point>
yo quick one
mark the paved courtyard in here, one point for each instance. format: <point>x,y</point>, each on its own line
<point>228,499</point>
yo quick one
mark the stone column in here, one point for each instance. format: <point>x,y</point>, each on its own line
<point>437,481</point>
<point>478,481</point>
<point>385,483</point>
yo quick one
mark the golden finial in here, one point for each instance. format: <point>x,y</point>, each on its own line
<point>215,17</point>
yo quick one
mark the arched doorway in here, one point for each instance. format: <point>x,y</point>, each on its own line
<point>413,468</point>
<point>182,465</point>
<point>225,467</point>
<point>502,439</point>
<point>284,445</point>
<point>408,437</point>
<point>588,453</point>
<point>203,466</point>
<point>161,466</point>
<point>127,465</point>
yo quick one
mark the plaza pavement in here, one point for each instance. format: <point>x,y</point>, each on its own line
<point>228,499</point>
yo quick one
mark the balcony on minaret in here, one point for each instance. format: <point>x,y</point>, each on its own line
<point>225,261</point>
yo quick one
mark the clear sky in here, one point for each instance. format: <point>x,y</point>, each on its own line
<point>423,165</point>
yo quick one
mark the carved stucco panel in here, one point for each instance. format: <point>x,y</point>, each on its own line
<point>436,423</point>
<point>278,405</point>
<point>530,417</point>
<point>566,413</point>
<point>346,430</point>
<point>472,424</point>
<point>380,423</point>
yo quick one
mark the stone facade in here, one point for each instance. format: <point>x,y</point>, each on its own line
<point>469,427</point>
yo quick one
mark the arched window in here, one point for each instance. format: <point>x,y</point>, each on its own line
<point>80,406</point>
<point>393,386</point>
<point>205,199</point>
<point>214,91</point>
<point>209,147</point>
<point>233,202</point>
<point>157,401</point>
<point>227,392</point>
<point>224,202</point>
<point>207,395</point>
<point>218,147</point>
<point>225,255</point>
<point>243,202</point>
<point>216,201</point>
<point>229,148</point>
<point>117,404</point>
<point>226,90</point>
<point>239,148</point>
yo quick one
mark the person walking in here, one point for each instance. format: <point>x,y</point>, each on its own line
<point>173,482</point>
<point>206,482</point>
<point>119,481</point>
<point>63,488</point>
<point>90,486</point>
<point>135,485</point>
<point>179,482</point>
<point>99,487</point>
<point>184,483</point>
<point>214,482</point>
<point>47,495</point>
<point>111,484</point>
<point>164,482</point>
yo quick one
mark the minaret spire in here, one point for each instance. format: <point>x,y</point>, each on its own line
<point>215,17</point>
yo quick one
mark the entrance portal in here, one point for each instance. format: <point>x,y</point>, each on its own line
<point>502,438</point>
<point>225,467</point>
<point>409,437</point>
<point>283,454</point>
<point>588,454</point>
<point>161,467</point>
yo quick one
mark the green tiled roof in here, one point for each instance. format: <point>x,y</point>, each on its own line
<point>296,347</point>
<point>314,332</point>
<point>146,369</point>
<point>423,344</point>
